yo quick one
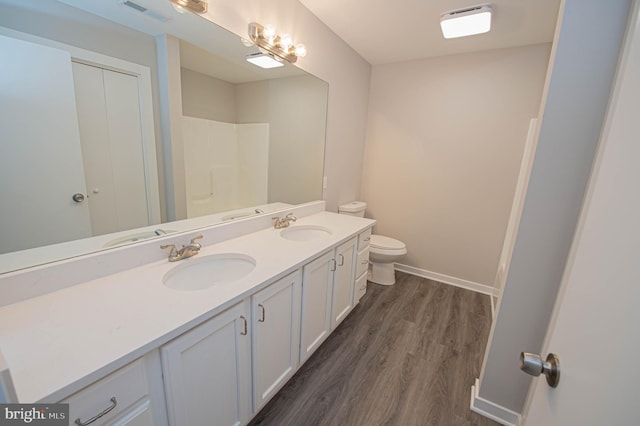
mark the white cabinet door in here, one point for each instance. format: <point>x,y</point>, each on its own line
<point>206,372</point>
<point>343,282</point>
<point>317,281</point>
<point>276,337</point>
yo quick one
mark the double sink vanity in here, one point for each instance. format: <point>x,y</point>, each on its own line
<point>209,339</point>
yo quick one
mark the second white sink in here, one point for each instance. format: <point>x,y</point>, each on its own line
<point>305,233</point>
<point>199,273</point>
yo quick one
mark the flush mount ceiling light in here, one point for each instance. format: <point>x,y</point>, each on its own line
<point>466,22</point>
<point>280,46</point>
<point>264,60</point>
<point>196,6</point>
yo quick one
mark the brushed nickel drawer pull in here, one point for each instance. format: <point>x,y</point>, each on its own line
<point>114,402</point>
<point>341,260</point>
<point>244,332</point>
<point>367,239</point>
<point>263,312</point>
<point>333,267</point>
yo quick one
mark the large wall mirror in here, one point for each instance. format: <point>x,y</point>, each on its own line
<point>123,121</point>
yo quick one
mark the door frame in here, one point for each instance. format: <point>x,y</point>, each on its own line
<point>143,74</point>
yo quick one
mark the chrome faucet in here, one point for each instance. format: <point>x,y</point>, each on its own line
<point>284,222</point>
<point>189,250</point>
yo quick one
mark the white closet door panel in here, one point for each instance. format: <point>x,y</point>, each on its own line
<point>96,153</point>
<point>40,158</point>
<point>125,134</point>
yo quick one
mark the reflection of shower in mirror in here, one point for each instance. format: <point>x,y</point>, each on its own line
<point>226,165</point>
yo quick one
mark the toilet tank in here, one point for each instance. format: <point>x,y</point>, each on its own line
<point>354,208</point>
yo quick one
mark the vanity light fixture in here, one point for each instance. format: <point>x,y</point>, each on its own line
<point>196,6</point>
<point>466,22</point>
<point>279,46</point>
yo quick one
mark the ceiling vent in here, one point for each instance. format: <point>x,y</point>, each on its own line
<point>150,13</point>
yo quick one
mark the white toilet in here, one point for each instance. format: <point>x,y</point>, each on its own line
<point>383,251</point>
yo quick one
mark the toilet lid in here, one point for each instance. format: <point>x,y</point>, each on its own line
<point>381,242</point>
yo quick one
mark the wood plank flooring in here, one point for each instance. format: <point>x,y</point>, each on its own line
<point>407,355</point>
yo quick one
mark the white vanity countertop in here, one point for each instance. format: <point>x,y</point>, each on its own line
<point>57,343</point>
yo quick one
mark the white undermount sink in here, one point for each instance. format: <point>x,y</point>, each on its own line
<point>200,273</point>
<point>305,233</point>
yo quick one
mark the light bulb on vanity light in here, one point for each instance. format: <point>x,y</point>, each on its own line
<point>269,33</point>
<point>301,50</point>
<point>285,42</point>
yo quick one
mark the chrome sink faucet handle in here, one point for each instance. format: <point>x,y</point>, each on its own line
<point>189,250</point>
<point>173,253</point>
<point>290,217</point>
<point>193,242</point>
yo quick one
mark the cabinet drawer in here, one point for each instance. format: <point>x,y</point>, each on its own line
<point>362,262</point>
<point>361,286</point>
<point>363,239</point>
<point>127,385</point>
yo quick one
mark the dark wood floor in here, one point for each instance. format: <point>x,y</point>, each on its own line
<point>407,355</point>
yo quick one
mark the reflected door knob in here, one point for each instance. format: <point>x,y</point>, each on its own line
<point>78,198</point>
<point>533,365</point>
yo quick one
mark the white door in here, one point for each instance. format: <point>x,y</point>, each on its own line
<point>40,158</point>
<point>112,148</point>
<point>276,337</point>
<point>594,331</point>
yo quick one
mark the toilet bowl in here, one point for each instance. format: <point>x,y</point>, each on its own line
<point>383,251</point>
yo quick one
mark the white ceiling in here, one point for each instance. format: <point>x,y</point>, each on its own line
<point>385,31</point>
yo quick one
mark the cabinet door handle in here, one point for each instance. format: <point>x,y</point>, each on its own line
<point>263,312</point>
<point>244,332</point>
<point>341,259</point>
<point>114,402</point>
<point>333,267</point>
<point>367,239</point>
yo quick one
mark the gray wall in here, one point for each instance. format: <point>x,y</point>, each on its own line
<point>207,97</point>
<point>584,60</point>
<point>295,108</point>
<point>445,138</point>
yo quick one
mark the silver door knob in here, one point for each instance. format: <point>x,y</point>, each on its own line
<point>78,198</point>
<point>532,364</point>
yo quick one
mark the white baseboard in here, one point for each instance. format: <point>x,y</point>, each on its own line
<point>458,282</point>
<point>490,410</point>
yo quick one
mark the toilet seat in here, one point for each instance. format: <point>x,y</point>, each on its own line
<point>387,245</point>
